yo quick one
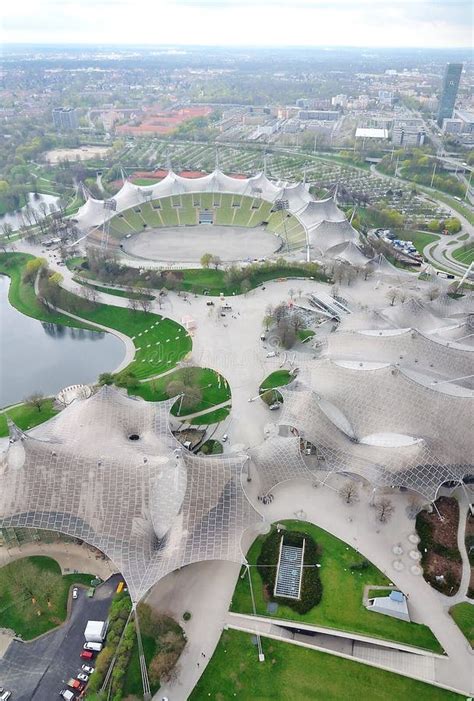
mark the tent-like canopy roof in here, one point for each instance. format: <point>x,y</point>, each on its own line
<point>404,434</point>
<point>109,471</point>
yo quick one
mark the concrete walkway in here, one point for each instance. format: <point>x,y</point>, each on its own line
<point>421,667</point>
<point>70,557</point>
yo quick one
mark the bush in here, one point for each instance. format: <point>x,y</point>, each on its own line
<point>187,616</point>
<point>311,587</point>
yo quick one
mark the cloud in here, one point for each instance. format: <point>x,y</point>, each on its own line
<point>238,22</point>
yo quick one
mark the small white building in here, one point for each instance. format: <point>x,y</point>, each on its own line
<point>394,605</point>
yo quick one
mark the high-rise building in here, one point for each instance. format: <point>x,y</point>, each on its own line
<point>452,76</point>
<point>64,118</point>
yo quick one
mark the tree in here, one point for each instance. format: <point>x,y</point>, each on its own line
<point>206,259</point>
<point>32,268</point>
<point>132,304</point>
<point>216,261</point>
<point>392,295</point>
<point>90,295</point>
<point>35,400</point>
<point>452,225</point>
<point>349,492</point>
<point>384,509</point>
<point>432,293</point>
<point>145,304</point>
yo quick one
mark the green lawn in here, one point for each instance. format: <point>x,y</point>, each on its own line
<point>212,417</point>
<point>464,254</point>
<point>25,416</point>
<point>19,613</point>
<point>293,673</point>
<point>116,292</point>
<point>304,334</point>
<point>214,387</point>
<point>159,342</point>
<point>341,604</point>
<point>463,615</point>
<point>276,379</point>
<point>200,279</point>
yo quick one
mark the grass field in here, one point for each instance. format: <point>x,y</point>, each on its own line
<point>292,673</point>
<point>21,614</point>
<point>276,379</point>
<point>341,604</point>
<point>200,279</point>
<point>464,254</point>
<point>127,294</point>
<point>463,615</point>
<point>214,388</point>
<point>25,416</point>
<point>212,417</point>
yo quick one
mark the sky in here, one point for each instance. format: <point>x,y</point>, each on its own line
<point>386,23</point>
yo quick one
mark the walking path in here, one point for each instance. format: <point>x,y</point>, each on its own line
<point>421,667</point>
<point>69,556</point>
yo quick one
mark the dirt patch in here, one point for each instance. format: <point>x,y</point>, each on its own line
<point>441,559</point>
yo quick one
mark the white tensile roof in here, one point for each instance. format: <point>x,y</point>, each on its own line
<point>349,253</point>
<point>259,185</point>
<point>328,234</point>
<point>147,503</point>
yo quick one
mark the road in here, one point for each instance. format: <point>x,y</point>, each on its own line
<point>434,252</point>
<point>38,670</point>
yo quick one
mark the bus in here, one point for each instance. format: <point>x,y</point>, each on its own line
<point>120,587</point>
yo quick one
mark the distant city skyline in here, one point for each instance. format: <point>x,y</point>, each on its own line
<point>386,23</point>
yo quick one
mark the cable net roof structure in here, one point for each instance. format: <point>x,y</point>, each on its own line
<point>109,471</point>
<point>408,349</point>
<point>324,223</point>
<point>375,422</point>
<point>328,234</point>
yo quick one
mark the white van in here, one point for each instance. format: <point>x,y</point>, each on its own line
<point>95,647</point>
<point>5,696</point>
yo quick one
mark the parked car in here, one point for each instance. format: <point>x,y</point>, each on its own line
<point>210,303</point>
<point>86,668</point>
<point>75,593</point>
<point>96,647</point>
<point>83,677</point>
<point>86,654</point>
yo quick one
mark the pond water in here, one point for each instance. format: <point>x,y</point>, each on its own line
<point>43,357</point>
<point>15,218</point>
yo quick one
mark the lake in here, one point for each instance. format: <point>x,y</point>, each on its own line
<point>43,357</point>
<point>15,218</point>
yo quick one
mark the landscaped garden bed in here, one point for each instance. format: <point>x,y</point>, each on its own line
<point>440,556</point>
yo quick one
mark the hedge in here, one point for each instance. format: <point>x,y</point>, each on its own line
<point>311,586</point>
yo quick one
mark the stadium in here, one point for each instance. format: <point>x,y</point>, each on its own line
<point>236,219</point>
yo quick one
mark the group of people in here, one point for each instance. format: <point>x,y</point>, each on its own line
<point>267,499</point>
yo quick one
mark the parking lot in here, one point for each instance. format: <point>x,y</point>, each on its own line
<point>40,669</point>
